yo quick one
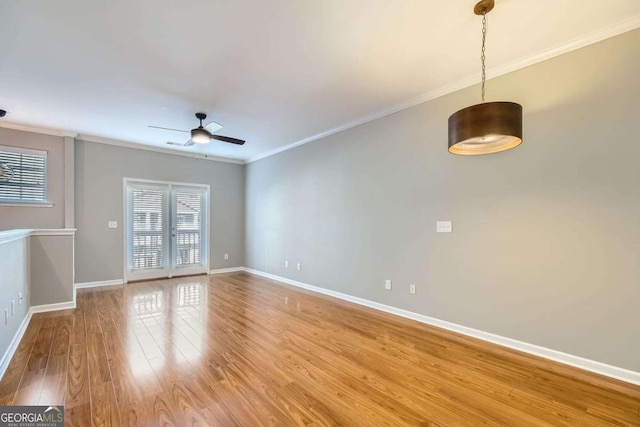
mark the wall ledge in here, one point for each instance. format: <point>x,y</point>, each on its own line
<point>11,235</point>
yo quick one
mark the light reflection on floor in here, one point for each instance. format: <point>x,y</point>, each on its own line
<point>166,325</point>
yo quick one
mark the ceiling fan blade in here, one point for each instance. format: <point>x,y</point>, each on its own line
<point>174,130</point>
<point>189,143</point>
<point>213,127</point>
<point>227,139</point>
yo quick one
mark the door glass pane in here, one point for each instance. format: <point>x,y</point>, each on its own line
<point>188,227</point>
<point>148,243</point>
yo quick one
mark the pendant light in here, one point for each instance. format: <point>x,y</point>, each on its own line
<point>489,127</point>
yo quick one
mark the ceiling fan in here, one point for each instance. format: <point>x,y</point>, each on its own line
<point>202,134</point>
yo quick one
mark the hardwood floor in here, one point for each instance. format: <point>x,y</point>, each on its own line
<point>239,350</point>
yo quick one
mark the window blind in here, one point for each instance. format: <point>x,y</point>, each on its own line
<point>23,175</point>
<point>188,227</point>
<point>148,228</point>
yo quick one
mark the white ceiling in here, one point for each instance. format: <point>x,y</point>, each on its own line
<point>273,72</point>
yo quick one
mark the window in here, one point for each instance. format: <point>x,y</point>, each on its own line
<point>23,175</point>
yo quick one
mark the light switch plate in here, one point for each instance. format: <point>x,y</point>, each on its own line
<point>444,226</point>
<point>226,257</point>
<point>113,224</point>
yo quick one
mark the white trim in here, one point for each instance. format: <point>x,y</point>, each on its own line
<point>37,129</point>
<point>13,345</point>
<point>227,270</point>
<point>54,232</point>
<point>12,235</point>
<point>17,234</point>
<point>7,204</point>
<point>136,146</point>
<point>546,353</point>
<point>45,308</point>
<point>575,44</point>
<point>99,284</point>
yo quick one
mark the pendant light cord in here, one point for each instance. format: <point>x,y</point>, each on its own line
<point>482,56</point>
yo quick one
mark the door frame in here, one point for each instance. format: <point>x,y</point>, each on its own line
<point>125,232</point>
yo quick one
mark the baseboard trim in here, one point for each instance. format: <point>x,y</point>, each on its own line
<point>227,270</point>
<point>99,284</point>
<point>13,346</point>
<point>45,308</point>
<point>536,350</point>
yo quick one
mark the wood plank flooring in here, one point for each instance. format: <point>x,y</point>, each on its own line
<point>240,350</point>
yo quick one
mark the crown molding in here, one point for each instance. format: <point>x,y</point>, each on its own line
<point>629,24</point>
<point>119,143</point>
<point>108,141</point>
<point>36,129</point>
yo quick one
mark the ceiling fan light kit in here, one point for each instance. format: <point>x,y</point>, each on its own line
<point>489,127</point>
<point>200,136</point>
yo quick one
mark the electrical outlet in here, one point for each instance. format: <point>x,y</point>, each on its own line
<point>286,263</point>
<point>299,267</point>
<point>113,224</point>
<point>387,284</point>
<point>13,307</point>
<point>226,257</point>
<point>6,316</point>
<point>412,289</point>
<point>20,298</point>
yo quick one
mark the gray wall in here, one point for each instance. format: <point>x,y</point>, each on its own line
<point>51,266</point>
<point>545,238</point>
<point>35,217</point>
<point>99,173</point>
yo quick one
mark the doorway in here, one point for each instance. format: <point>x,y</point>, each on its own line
<point>166,229</point>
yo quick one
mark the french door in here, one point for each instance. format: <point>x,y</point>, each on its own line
<point>166,229</point>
